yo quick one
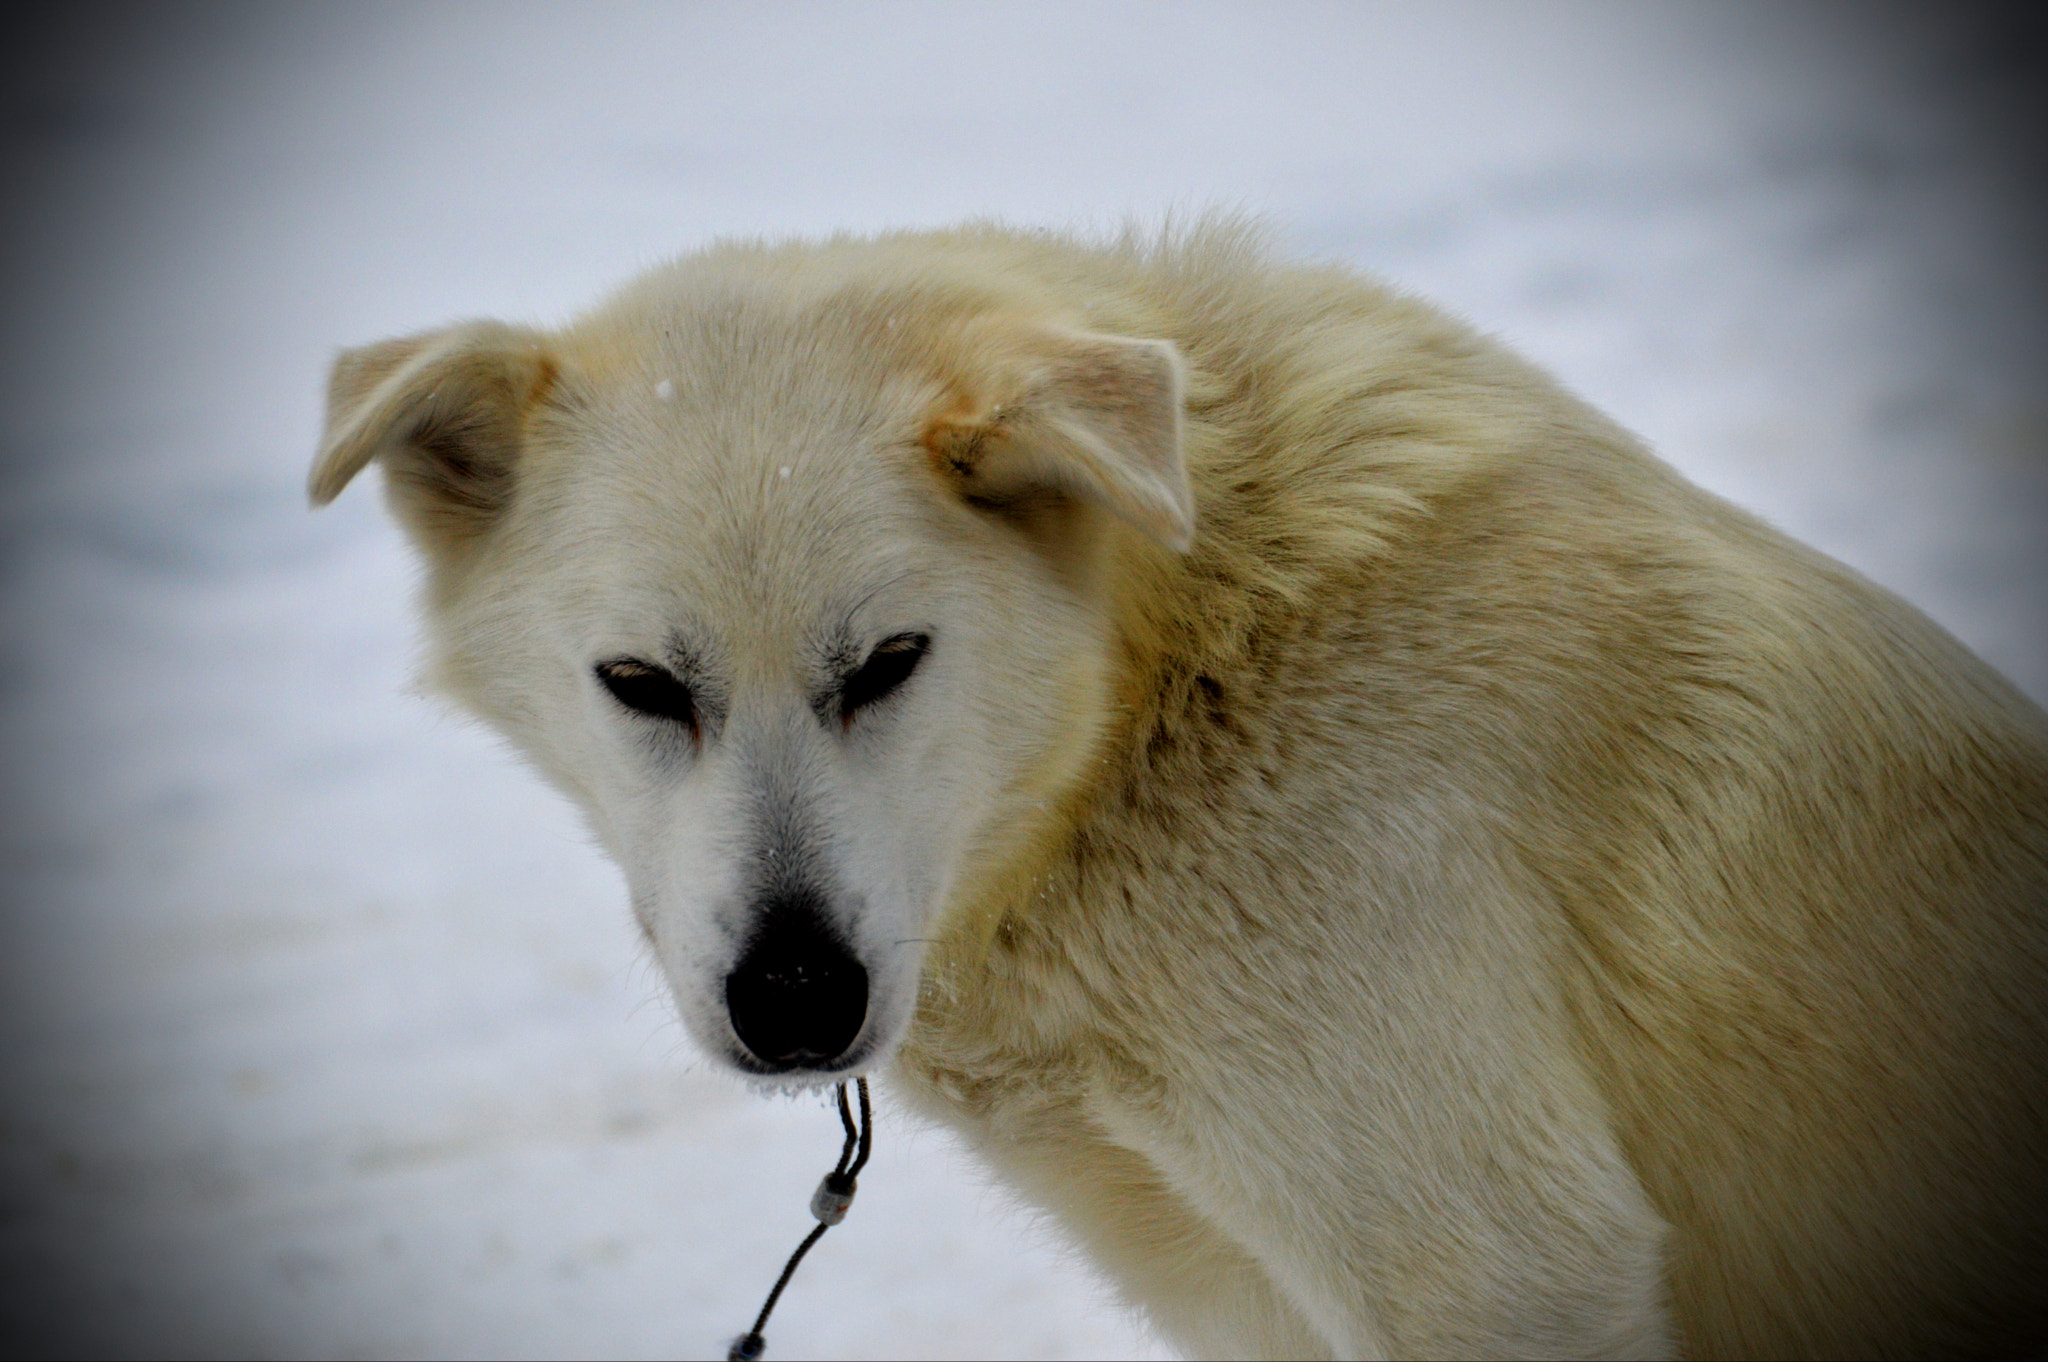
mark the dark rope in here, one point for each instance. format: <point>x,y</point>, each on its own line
<point>829,1203</point>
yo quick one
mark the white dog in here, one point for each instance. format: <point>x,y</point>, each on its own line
<point>1388,863</point>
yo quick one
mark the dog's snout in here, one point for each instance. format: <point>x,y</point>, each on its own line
<point>797,998</point>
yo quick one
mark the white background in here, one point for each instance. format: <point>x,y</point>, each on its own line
<point>325,1032</point>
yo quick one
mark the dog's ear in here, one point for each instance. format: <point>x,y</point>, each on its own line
<point>445,413</point>
<point>1099,418</point>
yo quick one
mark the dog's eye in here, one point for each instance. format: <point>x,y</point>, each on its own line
<point>647,689</point>
<point>887,667</point>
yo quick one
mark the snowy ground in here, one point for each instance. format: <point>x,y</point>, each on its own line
<point>324,1030</point>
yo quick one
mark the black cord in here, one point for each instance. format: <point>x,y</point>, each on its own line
<point>867,1127</point>
<point>829,1203</point>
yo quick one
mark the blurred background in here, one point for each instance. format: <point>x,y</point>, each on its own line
<point>325,1032</point>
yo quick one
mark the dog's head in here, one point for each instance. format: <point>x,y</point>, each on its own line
<point>798,587</point>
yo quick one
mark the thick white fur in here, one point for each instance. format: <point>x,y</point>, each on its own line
<point>1395,869</point>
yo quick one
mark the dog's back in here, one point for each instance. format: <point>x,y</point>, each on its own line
<point>1798,840</point>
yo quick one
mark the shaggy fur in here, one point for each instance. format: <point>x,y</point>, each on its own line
<point>1391,866</point>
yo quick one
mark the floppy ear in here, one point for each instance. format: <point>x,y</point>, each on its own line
<point>1099,419</point>
<point>445,414</point>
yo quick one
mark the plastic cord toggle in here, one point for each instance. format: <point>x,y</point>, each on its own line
<point>833,1198</point>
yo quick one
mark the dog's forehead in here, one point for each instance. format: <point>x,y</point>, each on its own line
<point>762,472</point>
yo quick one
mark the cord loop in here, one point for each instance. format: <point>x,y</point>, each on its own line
<point>829,1204</point>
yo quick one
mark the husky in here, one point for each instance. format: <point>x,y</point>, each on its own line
<point>1389,865</point>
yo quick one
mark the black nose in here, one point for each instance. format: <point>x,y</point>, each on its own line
<point>797,998</point>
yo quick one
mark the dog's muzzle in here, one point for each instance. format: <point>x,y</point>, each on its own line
<point>797,998</point>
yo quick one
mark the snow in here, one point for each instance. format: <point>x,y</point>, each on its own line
<point>327,1030</point>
